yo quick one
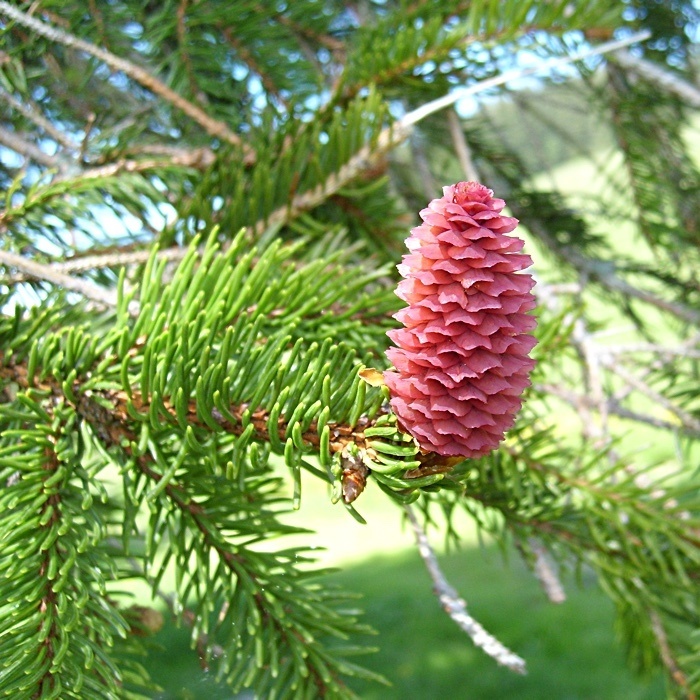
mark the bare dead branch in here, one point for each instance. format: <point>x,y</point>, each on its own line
<point>546,573</point>
<point>456,607</point>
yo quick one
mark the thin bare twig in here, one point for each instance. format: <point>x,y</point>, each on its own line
<point>212,126</point>
<point>667,655</point>
<point>459,141</point>
<point>581,402</point>
<point>456,607</point>
<point>545,572</point>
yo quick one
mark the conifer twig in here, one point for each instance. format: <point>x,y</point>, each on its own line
<point>456,607</point>
<point>212,126</point>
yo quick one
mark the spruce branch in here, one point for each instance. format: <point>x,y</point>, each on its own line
<point>456,607</point>
<point>57,571</point>
<point>212,126</point>
<point>110,412</point>
<point>272,607</point>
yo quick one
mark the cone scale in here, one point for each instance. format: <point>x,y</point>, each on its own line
<point>461,361</point>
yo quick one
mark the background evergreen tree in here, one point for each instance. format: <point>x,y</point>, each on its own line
<point>204,204</point>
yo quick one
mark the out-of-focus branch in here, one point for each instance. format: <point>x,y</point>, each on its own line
<point>596,357</point>
<point>212,126</point>
<point>604,273</point>
<point>33,115</point>
<point>684,417</point>
<point>99,295</point>
<point>96,262</point>
<point>580,402</point>
<point>659,76</point>
<point>545,572</point>
<point>456,607</point>
<point>198,158</point>
<point>459,141</point>
<point>667,656</point>
<point>589,353</point>
<point>29,150</point>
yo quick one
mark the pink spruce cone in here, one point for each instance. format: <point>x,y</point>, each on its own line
<point>461,362</point>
